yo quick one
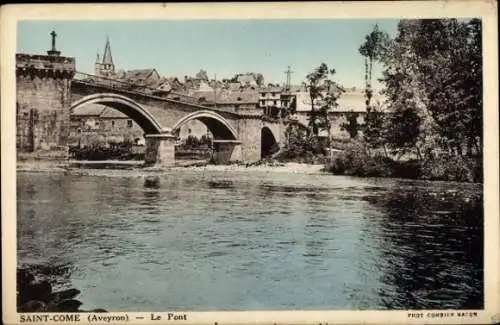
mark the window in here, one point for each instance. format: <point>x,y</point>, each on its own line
<point>113,123</point>
<point>129,123</point>
<point>275,102</point>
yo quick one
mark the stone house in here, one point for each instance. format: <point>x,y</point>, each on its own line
<point>99,124</point>
<point>352,101</point>
<point>242,101</point>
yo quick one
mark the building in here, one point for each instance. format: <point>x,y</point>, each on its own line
<point>242,101</point>
<point>273,99</point>
<point>98,124</point>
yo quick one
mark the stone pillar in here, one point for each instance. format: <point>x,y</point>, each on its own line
<point>225,152</point>
<point>160,149</point>
<point>249,133</point>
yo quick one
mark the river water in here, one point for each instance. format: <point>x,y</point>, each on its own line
<point>204,240</point>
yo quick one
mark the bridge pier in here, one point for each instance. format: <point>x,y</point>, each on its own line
<point>160,149</point>
<point>226,151</point>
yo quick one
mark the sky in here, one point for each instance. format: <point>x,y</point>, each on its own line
<point>177,48</point>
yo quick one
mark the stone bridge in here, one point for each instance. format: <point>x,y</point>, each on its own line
<point>47,93</point>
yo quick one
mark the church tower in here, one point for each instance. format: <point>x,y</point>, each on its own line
<point>106,67</point>
<point>97,66</point>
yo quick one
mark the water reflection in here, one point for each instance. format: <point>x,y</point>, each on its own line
<point>431,243</point>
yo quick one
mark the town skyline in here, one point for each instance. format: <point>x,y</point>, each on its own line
<point>224,49</point>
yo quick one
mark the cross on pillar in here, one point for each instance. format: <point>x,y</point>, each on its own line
<point>53,51</point>
<point>53,34</point>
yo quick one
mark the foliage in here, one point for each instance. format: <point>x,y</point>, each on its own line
<point>193,142</point>
<point>323,94</point>
<point>373,49</point>
<point>374,128</point>
<point>202,74</point>
<point>433,85</point>
<point>352,126</point>
<point>354,160</point>
<point>120,151</point>
<point>403,129</point>
<point>259,78</point>
<point>433,68</point>
<point>301,147</point>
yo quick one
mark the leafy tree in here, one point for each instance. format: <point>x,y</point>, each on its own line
<point>202,74</point>
<point>351,126</point>
<point>433,67</point>
<point>403,130</point>
<point>323,95</point>
<point>374,131</point>
<point>373,49</point>
<point>259,79</point>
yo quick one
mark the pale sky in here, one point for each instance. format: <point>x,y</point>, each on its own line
<point>222,47</point>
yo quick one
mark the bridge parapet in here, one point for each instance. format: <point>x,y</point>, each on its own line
<point>48,64</point>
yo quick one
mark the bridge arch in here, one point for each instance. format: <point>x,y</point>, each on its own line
<point>124,105</point>
<point>268,143</point>
<point>221,129</point>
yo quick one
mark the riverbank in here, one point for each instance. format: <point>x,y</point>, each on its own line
<point>78,166</point>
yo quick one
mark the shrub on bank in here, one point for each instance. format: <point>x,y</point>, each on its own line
<point>358,163</point>
<point>308,150</point>
<point>449,167</point>
<point>355,161</point>
<point>122,151</point>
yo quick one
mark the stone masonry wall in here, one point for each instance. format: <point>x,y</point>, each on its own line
<point>43,117</point>
<point>42,102</point>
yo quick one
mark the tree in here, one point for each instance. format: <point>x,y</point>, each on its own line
<point>202,74</point>
<point>433,68</point>
<point>323,95</point>
<point>352,126</point>
<point>373,49</point>
<point>259,79</point>
<point>403,130</point>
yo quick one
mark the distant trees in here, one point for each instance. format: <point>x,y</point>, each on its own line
<point>259,78</point>
<point>202,74</point>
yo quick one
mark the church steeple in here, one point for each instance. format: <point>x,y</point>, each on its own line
<point>107,58</point>
<point>106,68</point>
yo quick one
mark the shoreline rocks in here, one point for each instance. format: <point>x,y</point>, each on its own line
<point>35,294</point>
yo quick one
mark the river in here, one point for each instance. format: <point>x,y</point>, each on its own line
<point>204,240</point>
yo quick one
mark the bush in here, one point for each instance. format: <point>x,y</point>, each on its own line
<point>448,167</point>
<point>355,161</point>
<point>304,150</point>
